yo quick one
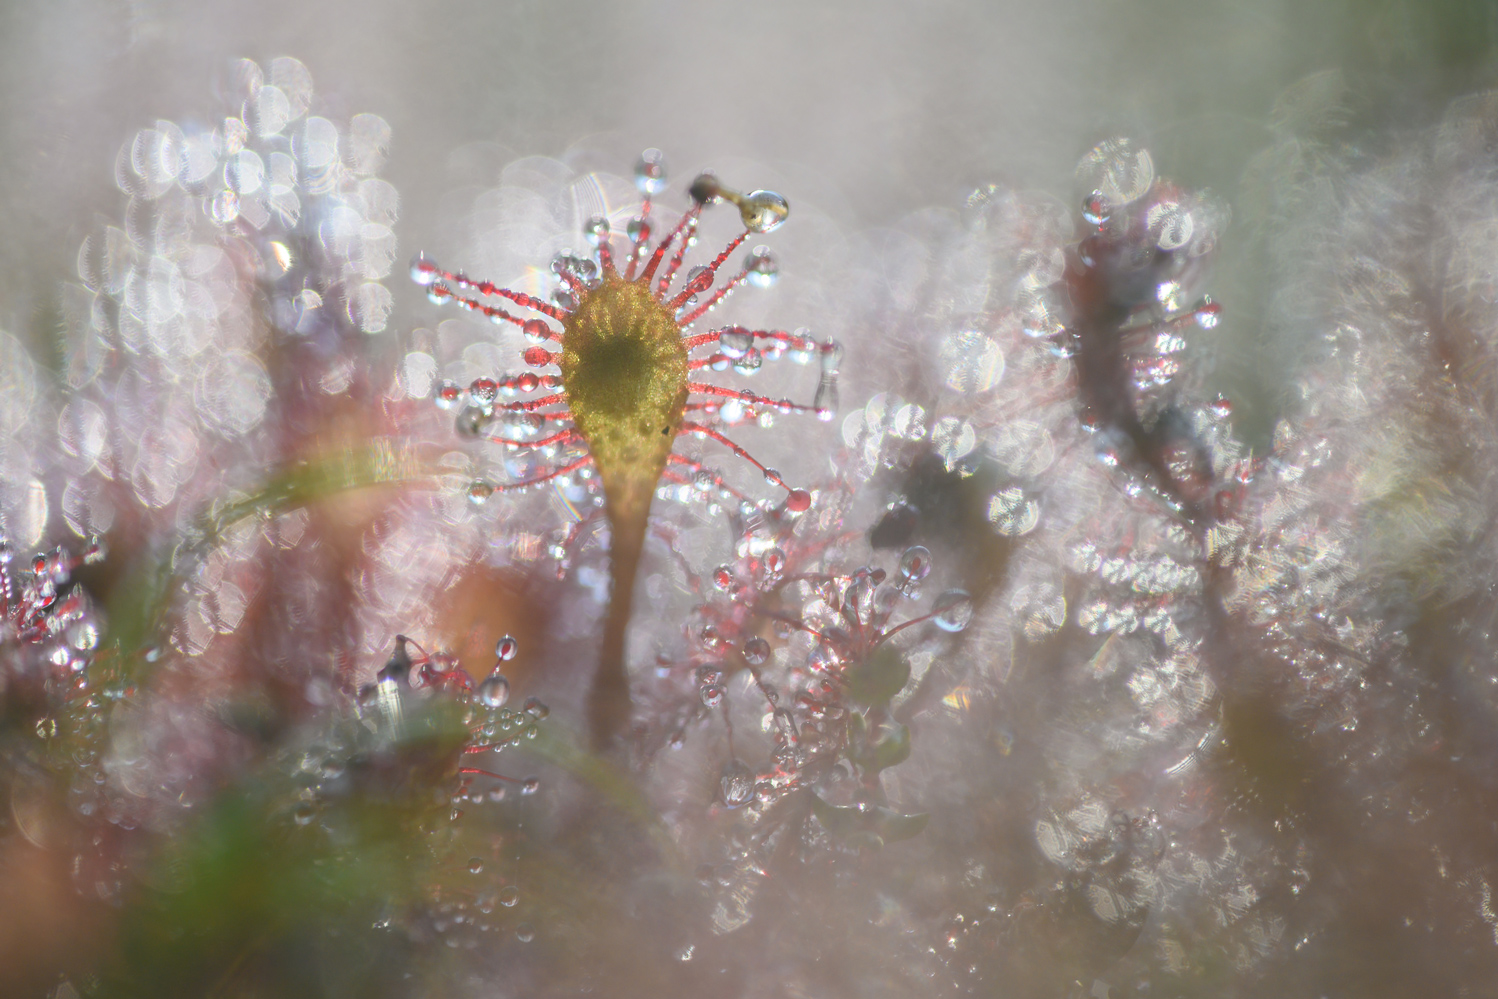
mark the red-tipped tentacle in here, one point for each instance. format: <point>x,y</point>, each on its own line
<point>697,466</point>
<point>556,438</point>
<point>717,296</point>
<point>554,473</point>
<point>689,218</point>
<point>440,292</point>
<point>486,773</point>
<point>706,431</point>
<point>490,288</point>
<point>528,405</point>
<point>674,264</point>
<point>748,398</point>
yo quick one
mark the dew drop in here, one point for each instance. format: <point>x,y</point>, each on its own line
<point>535,708</point>
<point>763,211</point>
<point>536,329</point>
<point>506,648</point>
<point>596,229</point>
<point>424,270</point>
<point>509,895</point>
<point>495,691</point>
<point>915,564</point>
<point>798,501</point>
<point>762,267</point>
<point>952,610</point>
<point>475,865</point>
<point>537,356</point>
<point>1095,209</point>
<point>448,394</point>
<point>756,651</point>
<point>737,784</point>
<point>525,933</point>
<point>479,492</point>
<point>302,814</point>
<point>530,785</point>
<point>483,389</point>
<point>650,172</point>
<point>723,578</point>
<point>825,401</point>
<point>734,342</point>
<point>712,695</point>
<point>638,229</point>
<point>471,421</point>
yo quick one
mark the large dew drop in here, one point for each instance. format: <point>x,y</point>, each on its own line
<point>952,610</point>
<point>494,691</point>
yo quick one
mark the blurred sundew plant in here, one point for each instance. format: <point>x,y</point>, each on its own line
<point>1026,677</point>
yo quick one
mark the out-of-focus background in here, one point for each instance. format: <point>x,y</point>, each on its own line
<point>875,108</point>
<point>1330,786</point>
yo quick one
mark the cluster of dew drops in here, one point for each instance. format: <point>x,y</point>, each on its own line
<point>848,618</point>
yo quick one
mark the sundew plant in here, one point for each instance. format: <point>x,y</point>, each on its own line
<point>677,590</point>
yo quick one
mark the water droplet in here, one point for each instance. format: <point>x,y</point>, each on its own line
<point>650,172</point>
<point>303,813</point>
<point>506,648</point>
<point>537,356</point>
<point>535,708</point>
<point>1208,315</point>
<point>735,341</point>
<point>494,691</point>
<point>915,564</point>
<point>508,896</point>
<point>763,211</point>
<point>475,865</point>
<point>825,401</point>
<point>712,695</point>
<point>756,651</point>
<point>723,578</point>
<point>424,270</point>
<point>596,229</point>
<point>638,229</point>
<point>448,394</point>
<point>479,492</point>
<point>471,421</point>
<point>530,785</point>
<point>798,501</point>
<point>737,784</point>
<point>774,563</point>
<point>763,270</point>
<point>1095,209</point>
<point>483,389</point>
<point>536,329</point>
<point>525,933</point>
<point>952,610</point>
